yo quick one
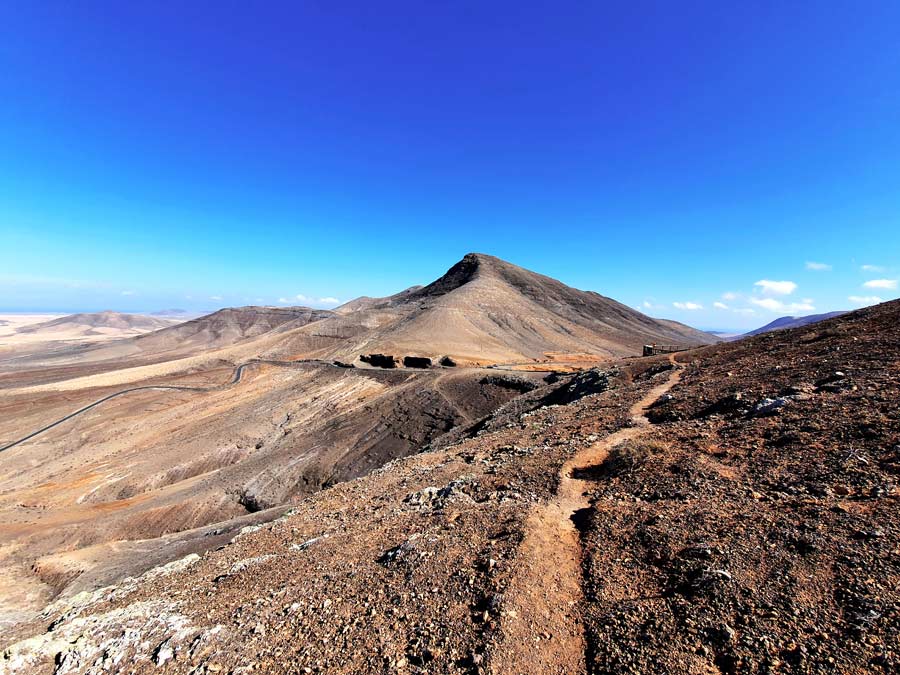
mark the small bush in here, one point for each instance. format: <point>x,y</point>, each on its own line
<point>629,456</point>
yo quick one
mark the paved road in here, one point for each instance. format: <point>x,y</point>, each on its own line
<point>236,377</point>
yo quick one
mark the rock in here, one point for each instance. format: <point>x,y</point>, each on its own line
<point>769,406</point>
<point>309,542</point>
<point>436,498</point>
<point>163,653</point>
<point>379,360</point>
<point>416,362</point>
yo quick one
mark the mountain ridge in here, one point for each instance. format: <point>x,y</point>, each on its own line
<point>786,322</point>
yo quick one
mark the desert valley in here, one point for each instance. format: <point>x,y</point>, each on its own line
<point>263,413</point>
<point>476,475</point>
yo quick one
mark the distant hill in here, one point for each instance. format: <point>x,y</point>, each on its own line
<point>482,311</point>
<point>228,326</point>
<point>365,302</point>
<point>786,322</point>
<point>97,323</point>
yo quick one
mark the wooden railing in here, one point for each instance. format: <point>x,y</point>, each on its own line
<point>652,350</point>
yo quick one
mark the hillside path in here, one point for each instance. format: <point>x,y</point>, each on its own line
<point>541,623</point>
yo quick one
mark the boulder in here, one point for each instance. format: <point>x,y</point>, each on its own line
<point>416,362</point>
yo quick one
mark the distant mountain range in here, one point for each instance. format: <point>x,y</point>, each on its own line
<point>96,322</point>
<point>786,322</point>
<point>482,311</point>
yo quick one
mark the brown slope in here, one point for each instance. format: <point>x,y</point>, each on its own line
<point>732,543</point>
<point>366,302</point>
<point>158,465</point>
<point>755,541</point>
<point>198,339</point>
<point>228,326</point>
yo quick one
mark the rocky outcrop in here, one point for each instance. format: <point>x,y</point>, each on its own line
<point>379,360</point>
<point>416,362</point>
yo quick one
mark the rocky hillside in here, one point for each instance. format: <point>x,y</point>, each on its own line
<point>731,512</point>
<point>228,326</point>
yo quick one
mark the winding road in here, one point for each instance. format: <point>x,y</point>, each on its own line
<point>235,378</point>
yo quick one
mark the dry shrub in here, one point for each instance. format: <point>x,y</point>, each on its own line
<point>629,456</point>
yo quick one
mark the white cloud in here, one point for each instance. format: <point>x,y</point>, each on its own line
<point>872,268</point>
<point>889,284</point>
<point>776,287</point>
<point>865,300</point>
<point>127,292</point>
<point>818,267</point>
<point>689,306</point>
<point>720,305</point>
<point>730,296</point>
<point>774,305</point>
<point>327,301</point>
<point>215,297</point>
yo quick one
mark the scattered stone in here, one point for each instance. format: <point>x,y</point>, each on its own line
<point>769,406</point>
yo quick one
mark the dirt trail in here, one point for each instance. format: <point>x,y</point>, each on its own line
<point>541,616</point>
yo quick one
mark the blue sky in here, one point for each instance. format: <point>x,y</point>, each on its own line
<point>669,155</point>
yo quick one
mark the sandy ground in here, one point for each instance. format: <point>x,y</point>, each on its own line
<point>9,323</point>
<point>18,345</point>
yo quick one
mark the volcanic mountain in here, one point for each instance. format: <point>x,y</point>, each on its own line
<point>482,311</point>
<point>485,310</point>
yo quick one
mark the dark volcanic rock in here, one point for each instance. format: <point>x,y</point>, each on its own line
<point>416,362</point>
<point>379,360</point>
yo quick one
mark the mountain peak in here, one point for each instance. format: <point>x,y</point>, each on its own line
<point>460,274</point>
<point>472,266</point>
